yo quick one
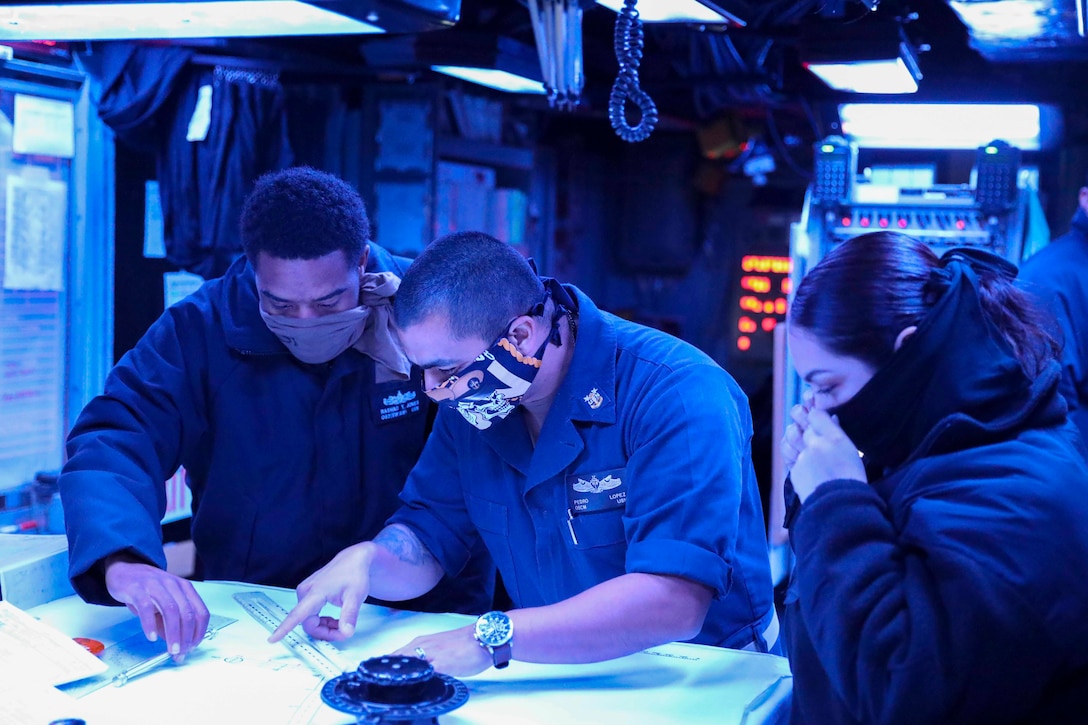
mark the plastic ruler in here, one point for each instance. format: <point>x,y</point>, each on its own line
<point>321,657</point>
<point>130,652</point>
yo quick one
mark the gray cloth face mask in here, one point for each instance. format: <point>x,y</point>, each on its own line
<point>319,339</point>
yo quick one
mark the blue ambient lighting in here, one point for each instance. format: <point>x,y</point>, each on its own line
<point>211,19</point>
<point>674,11</point>
<point>948,125</point>
<point>498,79</point>
<point>871,76</point>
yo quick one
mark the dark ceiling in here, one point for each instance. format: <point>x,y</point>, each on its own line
<point>697,74</point>
<point>1007,50</point>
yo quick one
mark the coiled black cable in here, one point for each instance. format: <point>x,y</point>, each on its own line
<point>628,42</point>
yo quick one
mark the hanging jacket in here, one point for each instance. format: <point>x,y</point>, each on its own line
<point>214,132</point>
<point>204,182</point>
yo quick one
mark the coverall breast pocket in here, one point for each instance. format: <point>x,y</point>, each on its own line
<point>595,506</point>
<point>601,528</point>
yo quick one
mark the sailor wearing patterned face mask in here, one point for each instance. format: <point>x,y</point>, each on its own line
<point>492,385</point>
<point>605,465</point>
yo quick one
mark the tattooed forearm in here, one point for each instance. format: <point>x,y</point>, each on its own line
<point>404,545</point>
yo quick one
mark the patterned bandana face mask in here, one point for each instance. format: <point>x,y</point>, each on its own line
<point>491,386</point>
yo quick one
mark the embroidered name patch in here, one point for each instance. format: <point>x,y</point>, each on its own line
<point>394,402</point>
<point>598,491</point>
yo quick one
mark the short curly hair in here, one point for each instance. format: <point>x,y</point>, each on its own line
<point>303,213</point>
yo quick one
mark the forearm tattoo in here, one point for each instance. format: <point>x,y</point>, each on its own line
<point>404,545</point>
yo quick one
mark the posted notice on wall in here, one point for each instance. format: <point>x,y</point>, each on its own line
<point>154,230</point>
<point>44,126</point>
<point>176,286</point>
<point>34,232</point>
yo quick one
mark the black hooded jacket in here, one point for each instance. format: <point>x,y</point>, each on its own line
<point>949,588</point>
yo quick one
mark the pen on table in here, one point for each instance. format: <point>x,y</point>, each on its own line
<point>147,665</point>
<point>136,670</point>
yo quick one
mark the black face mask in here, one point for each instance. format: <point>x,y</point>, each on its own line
<point>955,363</point>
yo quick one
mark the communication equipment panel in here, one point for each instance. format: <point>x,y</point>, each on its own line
<point>835,167</point>
<point>942,218</point>
<point>992,215</point>
<point>996,168</point>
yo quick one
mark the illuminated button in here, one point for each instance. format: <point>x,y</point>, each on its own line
<point>768,324</point>
<point>902,223</point>
<point>883,222</point>
<point>743,343</point>
<point>864,221</point>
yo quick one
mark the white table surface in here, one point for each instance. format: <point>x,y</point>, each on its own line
<point>238,677</point>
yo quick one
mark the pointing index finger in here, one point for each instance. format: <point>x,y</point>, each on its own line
<point>307,607</point>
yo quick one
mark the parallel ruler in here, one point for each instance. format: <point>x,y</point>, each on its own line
<point>320,656</point>
<point>130,653</point>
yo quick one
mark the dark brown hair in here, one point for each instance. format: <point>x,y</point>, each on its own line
<point>864,292</point>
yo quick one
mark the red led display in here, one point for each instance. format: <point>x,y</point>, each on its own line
<point>764,283</point>
<point>756,284</point>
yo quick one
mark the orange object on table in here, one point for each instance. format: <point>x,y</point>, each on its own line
<point>91,645</point>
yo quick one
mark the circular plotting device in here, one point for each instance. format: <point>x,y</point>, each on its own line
<point>394,688</point>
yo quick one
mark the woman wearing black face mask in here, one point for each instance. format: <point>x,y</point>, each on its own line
<point>938,497</point>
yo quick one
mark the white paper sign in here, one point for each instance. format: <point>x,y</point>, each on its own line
<point>35,228</point>
<point>202,116</point>
<point>177,286</point>
<point>44,126</point>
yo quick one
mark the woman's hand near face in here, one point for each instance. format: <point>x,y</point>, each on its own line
<point>825,454</point>
<point>792,441</point>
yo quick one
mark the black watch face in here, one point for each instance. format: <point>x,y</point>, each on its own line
<point>493,629</point>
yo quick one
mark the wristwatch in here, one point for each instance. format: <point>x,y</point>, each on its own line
<point>494,632</point>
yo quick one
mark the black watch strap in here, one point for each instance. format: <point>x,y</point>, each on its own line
<point>501,655</point>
